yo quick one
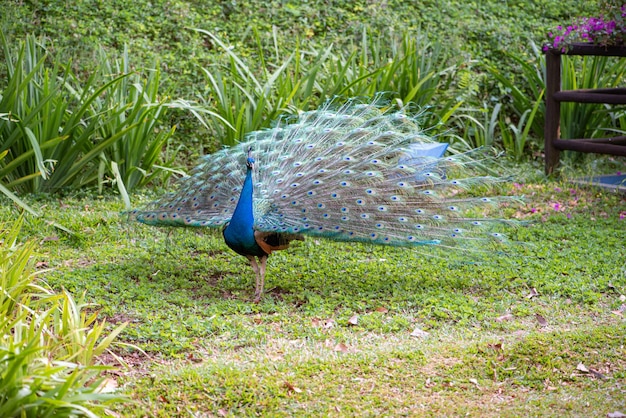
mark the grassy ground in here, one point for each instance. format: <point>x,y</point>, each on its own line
<point>354,329</point>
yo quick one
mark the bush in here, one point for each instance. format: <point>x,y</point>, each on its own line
<point>48,345</point>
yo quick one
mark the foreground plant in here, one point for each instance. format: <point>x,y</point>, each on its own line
<point>48,343</point>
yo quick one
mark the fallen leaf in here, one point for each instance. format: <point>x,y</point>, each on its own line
<point>505,317</point>
<point>616,414</point>
<point>341,347</point>
<point>475,382</point>
<point>222,412</point>
<point>542,321</point>
<point>354,319</point>
<point>622,298</point>
<point>108,386</point>
<point>291,388</point>
<point>597,374</point>
<point>382,309</point>
<point>329,324</point>
<point>532,294</point>
<point>620,311</point>
<point>419,333</point>
<point>495,346</point>
<point>582,368</point>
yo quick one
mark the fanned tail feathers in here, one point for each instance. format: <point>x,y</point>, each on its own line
<point>348,174</point>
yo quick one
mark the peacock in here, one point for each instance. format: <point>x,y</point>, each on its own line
<point>360,171</point>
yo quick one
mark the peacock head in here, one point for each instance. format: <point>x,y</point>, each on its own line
<point>250,160</point>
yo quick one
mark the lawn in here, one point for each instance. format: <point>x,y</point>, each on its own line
<point>536,329</point>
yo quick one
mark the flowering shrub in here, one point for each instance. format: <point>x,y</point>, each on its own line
<point>607,30</point>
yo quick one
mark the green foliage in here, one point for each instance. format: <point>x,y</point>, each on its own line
<point>58,132</point>
<point>49,342</point>
<point>411,70</point>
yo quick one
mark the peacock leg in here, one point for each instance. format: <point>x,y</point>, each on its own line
<point>255,268</point>
<point>261,279</point>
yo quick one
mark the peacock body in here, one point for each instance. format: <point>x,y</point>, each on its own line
<point>350,173</point>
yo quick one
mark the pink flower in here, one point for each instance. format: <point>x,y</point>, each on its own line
<point>557,206</point>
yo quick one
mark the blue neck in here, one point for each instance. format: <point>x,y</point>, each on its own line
<point>239,234</point>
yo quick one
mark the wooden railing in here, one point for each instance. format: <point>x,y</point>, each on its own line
<point>554,96</point>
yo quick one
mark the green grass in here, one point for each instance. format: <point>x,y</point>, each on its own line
<point>209,350</point>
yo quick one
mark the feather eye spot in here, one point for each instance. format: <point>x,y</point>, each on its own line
<point>326,216</point>
<point>369,191</point>
<point>294,185</point>
<point>360,202</point>
<point>284,196</point>
<point>373,235</point>
<point>401,184</point>
<point>420,211</point>
<point>279,181</point>
<point>294,202</point>
<point>348,172</point>
<point>345,218</point>
<point>310,193</point>
<point>321,171</point>
<point>476,223</point>
<point>337,228</point>
<point>395,198</point>
<point>379,225</point>
<point>453,208</point>
<point>317,182</point>
<point>300,175</point>
<point>402,167</point>
<point>382,208</point>
<point>485,199</point>
<point>334,195</point>
<point>402,219</point>
<point>345,184</point>
<point>427,192</point>
<point>195,205</point>
<point>310,146</point>
<point>420,226</point>
<point>340,144</point>
<point>321,206</point>
<point>303,210</point>
<point>437,217</point>
<point>365,216</point>
<point>347,158</point>
<point>345,210</point>
<point>375,161</point>
<point>297,164</point>
<point>410,238</point>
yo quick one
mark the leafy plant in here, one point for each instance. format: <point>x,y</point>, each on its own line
<point>59,132</point>
<point>239,101</point>
<point>48,343</point>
